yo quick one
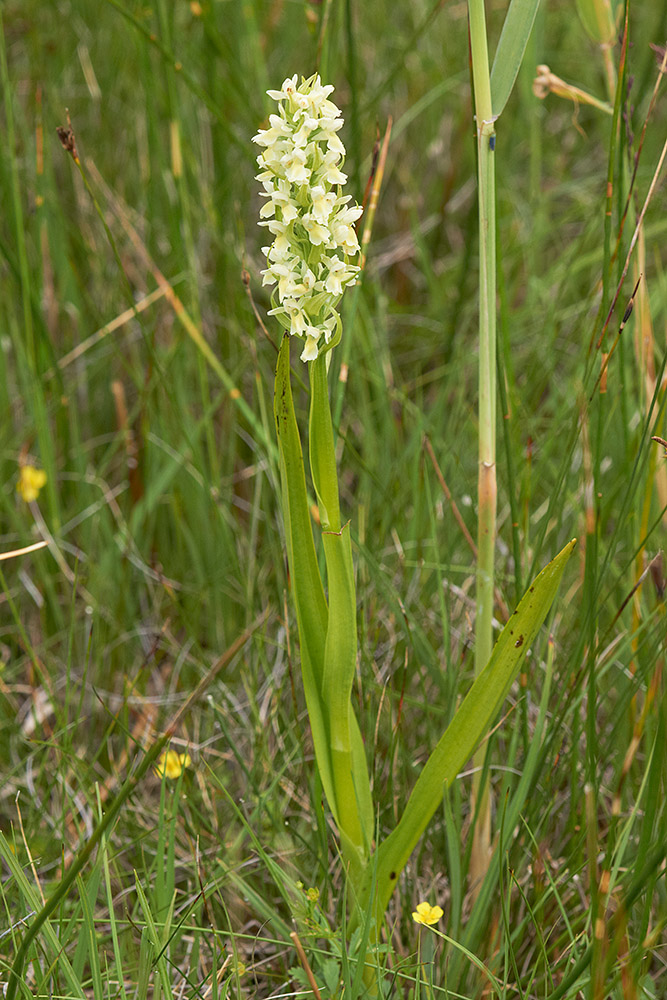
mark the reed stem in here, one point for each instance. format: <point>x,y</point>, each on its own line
<point>486,503</point>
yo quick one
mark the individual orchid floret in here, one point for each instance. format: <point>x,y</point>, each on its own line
<point>294,162</point>
<point>309,261</point>
<point>323,202</point>
<point>340,274</point>
<point>330,171</point>
<point>268,137</point>
<point>317,233</point>
<point>287,91</point>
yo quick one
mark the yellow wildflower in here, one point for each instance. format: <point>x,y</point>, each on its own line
<point>172,764</point>
<point>30,482</point>
<point>427,914</point>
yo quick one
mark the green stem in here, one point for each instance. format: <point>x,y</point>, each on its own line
<point>486,526</point>
<point>322,447</point>
<point>349,770</point>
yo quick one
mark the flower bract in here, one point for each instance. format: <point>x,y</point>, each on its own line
<point>309,261</point>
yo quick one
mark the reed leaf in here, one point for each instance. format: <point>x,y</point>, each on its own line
<point>512,44</point>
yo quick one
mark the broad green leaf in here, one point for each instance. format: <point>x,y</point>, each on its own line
<point>311,609</point>
<point>348,762</point>
<point>512,807</point>
<point>306,583</point>
<point>307,590</point>
<point>514,37</point>
<point>467,728</point>
<point>340,651</point>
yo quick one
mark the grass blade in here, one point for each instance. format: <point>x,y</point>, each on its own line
<point>512,44</point>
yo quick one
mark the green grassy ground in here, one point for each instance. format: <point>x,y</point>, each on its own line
<point>164,535</point>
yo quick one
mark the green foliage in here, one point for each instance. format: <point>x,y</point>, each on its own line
<point>470,723</point>
<point>150,411</point>
<point>507,60</point>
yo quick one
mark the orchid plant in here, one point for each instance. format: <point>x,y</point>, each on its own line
<point>310,263</point>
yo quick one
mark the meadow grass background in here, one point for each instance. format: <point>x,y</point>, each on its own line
<point>165,538</point>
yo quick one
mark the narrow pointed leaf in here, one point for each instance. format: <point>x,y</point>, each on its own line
<point>468,726</point>
<point>514,37</point>
<point>350,773</point>
<point>307,590</point>
<point>348,762</point>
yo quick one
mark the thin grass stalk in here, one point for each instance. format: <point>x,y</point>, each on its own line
<point>486,491</point>
<point>353,75</point>
<point>27,349</point>
<point>615,180</point>
<point>183,232</point>
<point>177,66</point>
<point>59,894</point>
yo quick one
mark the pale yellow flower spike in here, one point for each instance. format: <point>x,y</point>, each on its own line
<point>311,221</point>
<point>171,764</point>
<point>427,914</point>
<point>30,482</point>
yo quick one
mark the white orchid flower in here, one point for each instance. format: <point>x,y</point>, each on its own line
<point>311,221</point>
